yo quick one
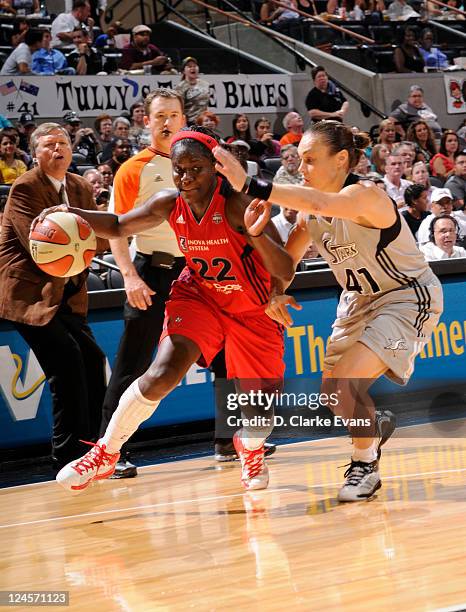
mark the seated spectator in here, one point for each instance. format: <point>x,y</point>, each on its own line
<point>194,91</point>
<point>294,126</point>
<point>94,177</point>
<point>387,133</point>
<point>363,166</point>
<point>25,7</point>
<point>10,166</point>
<point>420,176</point>
<point>107,39</point>
<point>285,221</point>
<point>120,129</point>
<point>209,120</point>
<point>138,135</point>
<point>104,127</point>
<point>71,123</point>
<point>443,162</point>
<point>415,109</point>
<point>241,129</point>
<point>433,57</point>
<point>107,176</point>
<point>6,8</point>
<point>65,24</point>
<point>400,10</point>
<point>20,59</point>
<point>289,173</point>
<point>85,59</point>
<point>379,154</point>
<point>457,182</point>
<point>26,125</point>
<point>141,52</point>
<point>240,149</point>
<point>444,232</point>
<point>48,61</point>
<point>442,204</point>
<point>416,199</point>
<point>325,100</point>
<point>423,137</point>
<point>20,27</point>
<point>277,16</point>
<point>85,143</point>
<point>121,151</point>
<point>263,146</point>
<point>406,150</point>
<point>395,185</point>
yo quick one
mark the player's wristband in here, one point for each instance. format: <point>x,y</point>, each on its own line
<point>257,188</point>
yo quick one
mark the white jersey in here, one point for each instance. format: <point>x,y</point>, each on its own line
<point>369,262</point>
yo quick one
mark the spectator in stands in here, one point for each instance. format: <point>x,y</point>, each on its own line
<point>433,57</point>
<point>26,125</point>
<point>416,199</point>
<point>85,143</point>
<point>48,61</point>
<point>415,109</point>
<point>241,129</point>
<point>395,185</point>
<point>443,162</point>
<point>387,133</point>
<point>107,176</point>
<point>325,100</point>
<point>138,130</point>
<point>141,52</point>
<point>278,17</point>
<point>285,221</point>
<point>120,129</point>
<point>407,151</point>
<point>194,91</point>
<point>263,146</point>
<point>363,166</point>
<point>71,123</point>
<point>20,27</point>
<point>240,149</point>
<point>21,153</point>
<point>457,182</point>
<point>209,120</point>
<point>289,173</point>
<point>420,176</point>
<point>10,166</point>
<point>294,126</point>
<point>107,39</point>
<point>442,204</point>
<point>379,154</point>
<point>400,10</point>
<point>20,59</point>
<point>444,233</point>
<point>121,151</point>
<point>94,177</point>
<point>65,24</point>
<point>407,56</point>
<point>85,59</point>
<point>423,137</point>
<point>24,7</point>
<point>104,127</point>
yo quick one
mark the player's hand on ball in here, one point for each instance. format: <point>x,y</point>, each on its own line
<point>138,293</point>
<point>46,212</point>
<point>278,309</point>
<point>256,216</point>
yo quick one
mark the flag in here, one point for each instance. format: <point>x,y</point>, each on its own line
<point>7,88</point>
<point>29,88</point>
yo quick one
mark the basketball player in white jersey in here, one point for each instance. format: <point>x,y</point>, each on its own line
<point>391,300</point>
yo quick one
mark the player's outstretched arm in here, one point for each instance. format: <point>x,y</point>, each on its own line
<point>368,206</point>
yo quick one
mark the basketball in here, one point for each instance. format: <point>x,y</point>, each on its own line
<point>63,244</point>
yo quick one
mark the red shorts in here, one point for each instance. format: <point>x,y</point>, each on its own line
<point>253,342</point>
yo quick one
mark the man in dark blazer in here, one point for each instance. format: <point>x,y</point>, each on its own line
<point>49,312</point>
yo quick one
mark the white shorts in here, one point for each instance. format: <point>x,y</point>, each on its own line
<point>396,326</point>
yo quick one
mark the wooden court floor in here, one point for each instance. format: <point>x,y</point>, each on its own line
<point>184,536</point>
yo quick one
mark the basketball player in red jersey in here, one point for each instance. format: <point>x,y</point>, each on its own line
<point>232,252</point>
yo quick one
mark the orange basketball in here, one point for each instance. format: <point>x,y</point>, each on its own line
<point>63,244</point>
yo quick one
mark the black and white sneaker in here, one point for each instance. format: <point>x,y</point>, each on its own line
<point>362,481</point>
<point>385,422</point>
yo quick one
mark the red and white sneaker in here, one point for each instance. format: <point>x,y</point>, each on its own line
<point>254,472</point>
<point>96,464</point>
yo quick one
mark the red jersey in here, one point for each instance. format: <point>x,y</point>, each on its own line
<point>220,262</point>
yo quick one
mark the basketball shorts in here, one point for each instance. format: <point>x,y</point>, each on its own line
<point>253,343</point>
<point>396,326</point>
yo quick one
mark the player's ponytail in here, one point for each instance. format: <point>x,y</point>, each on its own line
<point>339,137</point>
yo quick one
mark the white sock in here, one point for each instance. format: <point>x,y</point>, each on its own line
<point>367,455</point>
<point>133,409</point>
<point>250,441</point>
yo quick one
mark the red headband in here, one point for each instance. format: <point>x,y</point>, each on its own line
<point>206,140</point>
